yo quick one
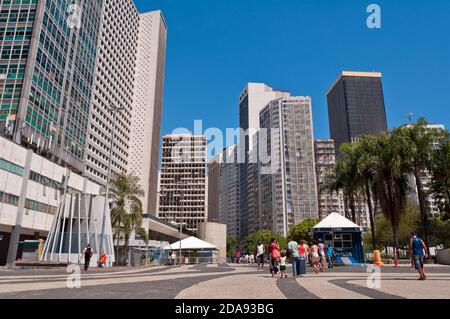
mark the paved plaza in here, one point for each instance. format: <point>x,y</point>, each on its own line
<point>223,282</point>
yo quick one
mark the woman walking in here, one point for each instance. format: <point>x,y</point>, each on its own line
<point>274,255</point>
<point>315,257</point>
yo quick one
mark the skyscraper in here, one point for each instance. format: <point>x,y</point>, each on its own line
<point>49,70</point>
<point>356,107</point>
<point>183,180</point>
<point>229,191</point>
<point>214,189</point>
<point>253,99</point>
<point>329,201</point>
<point>113,87</point>
<point>288,195</point>
<point>147,105</point>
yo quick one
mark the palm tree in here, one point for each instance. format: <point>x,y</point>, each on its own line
<point>126,214</point>
<point>418,143</point>
<point>347,177</point>
<point>391,179</point>
<point>366,163</point>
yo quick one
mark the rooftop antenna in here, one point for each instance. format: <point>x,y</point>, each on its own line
<point>410,116</point>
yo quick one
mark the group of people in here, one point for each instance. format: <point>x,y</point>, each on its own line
<point>239,258</point>
<point>299,254</point>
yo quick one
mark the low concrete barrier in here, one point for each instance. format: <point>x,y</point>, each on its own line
<point>443,256</point>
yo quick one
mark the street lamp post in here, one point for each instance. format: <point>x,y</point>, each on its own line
<point>114,109</point>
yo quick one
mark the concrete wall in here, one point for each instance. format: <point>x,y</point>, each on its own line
<point>443,256</point>
<point>215,234</point>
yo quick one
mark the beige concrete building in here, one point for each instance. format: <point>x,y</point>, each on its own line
<point>329,202</point>
<point>147,105</point>
<point>213,189</point>
<point>183,196</point>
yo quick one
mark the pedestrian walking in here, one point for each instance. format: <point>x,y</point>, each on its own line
<point>418,251</point>
<point>330,256</point>
<point>295,257</point>
<point>274,254</point>
<point>315,257</point>
<point>87,255</point>
<point>260,254</point>
<point>322,255</point>
<point>238,257</point>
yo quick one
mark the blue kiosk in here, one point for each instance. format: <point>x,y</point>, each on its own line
<point>344,235</point>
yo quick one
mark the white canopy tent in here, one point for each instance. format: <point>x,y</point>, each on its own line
<point>191,243</point>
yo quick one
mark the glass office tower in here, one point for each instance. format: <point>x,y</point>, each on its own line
<point>47,69</point>
<point>356,107</point>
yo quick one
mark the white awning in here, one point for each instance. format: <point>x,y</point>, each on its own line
<point>336,220</point>
<point>192,243</point>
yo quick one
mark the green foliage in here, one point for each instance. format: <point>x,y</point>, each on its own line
<point>301,231</point>
<point>264,236</point>
<point>232,246</point>
<point>126,213</point>
<point>440,170</point>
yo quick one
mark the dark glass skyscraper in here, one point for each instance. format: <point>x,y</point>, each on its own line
<point>356,107</point>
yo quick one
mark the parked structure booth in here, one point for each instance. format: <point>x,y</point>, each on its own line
<point>344,235</point>
<point>193,251</point>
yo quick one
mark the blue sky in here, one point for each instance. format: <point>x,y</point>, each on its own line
<point>216,46</point>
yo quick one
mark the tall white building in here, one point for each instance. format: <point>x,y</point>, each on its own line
<point>253,99</point>
<point>147,105</point>
<point>183,195</point>
<point>288,192</point>
<point>229,191</point>
<point>114,80</point>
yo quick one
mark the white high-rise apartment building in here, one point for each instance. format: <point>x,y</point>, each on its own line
<point>147,105</point>
<point>183,195</point>
<point>225,189</point>
<point>253,99</point>
<point>129,75</point>
<point>114,80</point>
<point>288,195</point>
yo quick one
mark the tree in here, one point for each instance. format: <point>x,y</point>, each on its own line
<point>302,231</point>
<point>232,246</point>
<point>264,236</point>
<point>440,171</point>
<point>417,142</point>
<point>367,158</point>
<point>126,214</point>
<point>347,179</point>
<point>409,221</point>
<point>391,180</point>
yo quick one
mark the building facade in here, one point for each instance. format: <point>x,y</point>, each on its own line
<point>213,189</point>
<point>147,105</point>
<point>49,66</point>
<point>34,191</point>
<point>253,99</point>
<point>288,190</point>
<point>183,180</point>
<point>114,80</point>
<point>229,191</point>
<point>329,201</point>
<point>356,107</point>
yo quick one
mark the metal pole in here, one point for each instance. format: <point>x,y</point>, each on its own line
<point>108,177</point>
<point>181,232</point>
